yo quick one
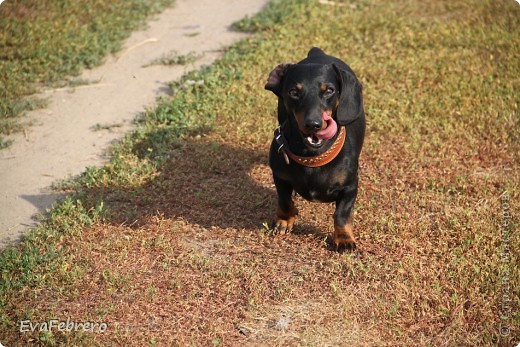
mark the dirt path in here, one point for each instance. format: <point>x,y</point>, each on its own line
<point>64,140</point>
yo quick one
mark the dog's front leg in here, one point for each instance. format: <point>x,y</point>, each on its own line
<point>343,231</point>
<point>286,211</point>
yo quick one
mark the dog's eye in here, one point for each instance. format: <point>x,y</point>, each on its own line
<point>329,91</point>
<point>293,93</point>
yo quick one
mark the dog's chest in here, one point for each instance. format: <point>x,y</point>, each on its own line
<point>321,186</point>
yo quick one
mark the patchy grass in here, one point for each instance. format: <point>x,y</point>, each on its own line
<point>107,126</point>
<point>166,243</point>
<point>174,58</point>
<point>43,41</point>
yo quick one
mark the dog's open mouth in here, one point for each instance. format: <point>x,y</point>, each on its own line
<point>313,141</point>
<point>327,132</point>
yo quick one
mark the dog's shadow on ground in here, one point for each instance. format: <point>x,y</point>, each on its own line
<point>205,183</point>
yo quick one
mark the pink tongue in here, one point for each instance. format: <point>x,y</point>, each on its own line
<point>330,130</point>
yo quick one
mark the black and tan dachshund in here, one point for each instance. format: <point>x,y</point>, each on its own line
<point>316,148</point>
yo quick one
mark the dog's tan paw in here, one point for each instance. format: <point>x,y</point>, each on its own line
<point>284,221</point>
<point>344,238</point>
<point>282,226</point>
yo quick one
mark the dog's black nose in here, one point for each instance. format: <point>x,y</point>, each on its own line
<point>313,125</point>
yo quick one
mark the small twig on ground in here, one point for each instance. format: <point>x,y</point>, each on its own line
<point>150,40</point>
<point>80,87</point>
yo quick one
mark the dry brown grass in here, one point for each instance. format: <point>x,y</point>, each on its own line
<point>184,261</point>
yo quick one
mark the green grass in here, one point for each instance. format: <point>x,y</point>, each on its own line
<point>44,42</point>
<point>172,228</point>
<point>174,58</point>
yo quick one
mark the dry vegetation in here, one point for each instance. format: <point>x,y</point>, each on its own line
<point>168,243</point>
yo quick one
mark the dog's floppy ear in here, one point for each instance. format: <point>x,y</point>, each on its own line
<point>275,78</point>
<point>351,98</point>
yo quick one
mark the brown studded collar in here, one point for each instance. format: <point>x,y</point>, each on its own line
<point>315,161</point>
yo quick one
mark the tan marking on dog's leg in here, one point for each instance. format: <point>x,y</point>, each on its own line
<point>284,221</point>
<point>344,236</point>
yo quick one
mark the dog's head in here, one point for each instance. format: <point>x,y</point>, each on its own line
<point>320,98</point>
